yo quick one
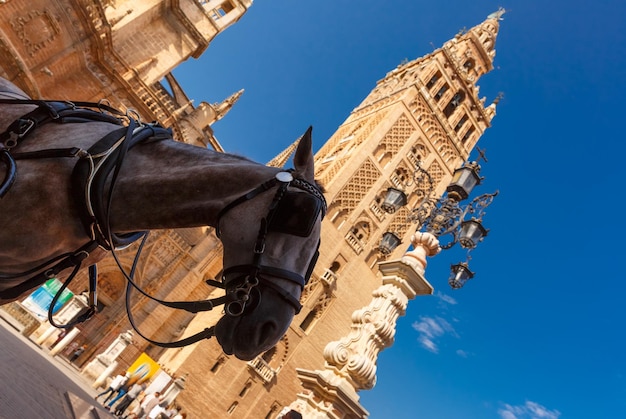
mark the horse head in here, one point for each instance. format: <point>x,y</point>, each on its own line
<point>270,234</point>
<point>277,248</point>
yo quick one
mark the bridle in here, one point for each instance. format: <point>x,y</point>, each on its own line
<point>248,277</point>
<point>290,212</point>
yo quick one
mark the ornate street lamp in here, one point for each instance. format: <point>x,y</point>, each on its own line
<point>472,233</point>
<point>463,181</point>
<point>388,243</point>
<point>394,200</point>
<point>459,275</point>
<point>445,216</point>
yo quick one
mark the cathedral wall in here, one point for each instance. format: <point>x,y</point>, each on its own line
<point>160,44</point>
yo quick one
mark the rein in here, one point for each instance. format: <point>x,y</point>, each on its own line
<point>102,162</point>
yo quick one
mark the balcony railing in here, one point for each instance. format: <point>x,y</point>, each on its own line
<point>329,279</point>
<point>377,210</point>
<point>355,243</point>
<point>261,367</point>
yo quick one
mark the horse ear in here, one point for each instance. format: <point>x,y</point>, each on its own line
<point>303,159</point>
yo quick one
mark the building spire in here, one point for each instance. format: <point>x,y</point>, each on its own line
<point>484,35</point>
<point>281,159</point>
<point>221,109</point>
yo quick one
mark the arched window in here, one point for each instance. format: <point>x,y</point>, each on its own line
<point>461,122</point>
<point>308,320</point>
<point>219,11</point>
<point>468,134</point>
<point>441,91</point>
<point>433,80</point>
<point>269,354</point>
<point>218,364</point>
<point>454,103</point>
<point>232,408</point>
<point>245,388</point>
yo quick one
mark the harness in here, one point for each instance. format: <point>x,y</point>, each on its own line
<point>289,212</point>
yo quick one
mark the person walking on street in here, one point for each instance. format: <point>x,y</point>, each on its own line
<point>159,411</point>
<point>78,352</point>
<point>120,392</point>
<point>115,384</point>
<point>128,399</point>
<point>148,404</point>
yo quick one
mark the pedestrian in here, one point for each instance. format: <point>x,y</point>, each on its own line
<point>78,352</point>
<point>148,403</point>
<point>128,399</point>
<point>159,411</point>
<point>115,384</point>
<point>120,391</point>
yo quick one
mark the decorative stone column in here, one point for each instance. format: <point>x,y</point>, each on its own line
<point>65,341</point>
<point>100,367</point>
<point>351,361</point>
<point>174,390</point>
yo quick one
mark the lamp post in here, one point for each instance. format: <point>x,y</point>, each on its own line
<point>447,217</point>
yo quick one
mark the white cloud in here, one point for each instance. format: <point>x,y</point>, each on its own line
<point>431,329</point>
<point>529,410</point>
<point>462,353</point>
<point>446,298</point>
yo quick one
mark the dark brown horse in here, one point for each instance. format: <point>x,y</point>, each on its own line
<point>268,219</point>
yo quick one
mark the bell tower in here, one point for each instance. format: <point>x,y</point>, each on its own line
<point>427,110</point>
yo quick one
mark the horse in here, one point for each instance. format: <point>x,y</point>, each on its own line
<point>267,219</point>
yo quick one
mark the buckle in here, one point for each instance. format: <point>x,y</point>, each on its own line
<point>18,130</point>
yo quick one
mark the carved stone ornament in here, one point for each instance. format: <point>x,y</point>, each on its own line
<point>36,30</point>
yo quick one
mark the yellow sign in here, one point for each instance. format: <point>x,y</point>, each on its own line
<point>142,369</point>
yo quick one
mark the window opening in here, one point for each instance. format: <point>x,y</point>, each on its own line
<point>308,320</point>
<point>232,408</point>
<point>433,80</point>
<point>469,132</point>
<point>461,122</point>
<point>245,389</point>
<point>272,412</point>
<point>454,103</point>
<point>269,354</point>
<point>217,364</point>
<point>441,91</point>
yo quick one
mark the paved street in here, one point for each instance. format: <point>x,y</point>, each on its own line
<point>35,386</point>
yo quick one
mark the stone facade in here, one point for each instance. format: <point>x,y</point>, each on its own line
<point>120,50</point>
<point>427,110</point>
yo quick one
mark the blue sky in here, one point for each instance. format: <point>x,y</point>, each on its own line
<point>539,332</point>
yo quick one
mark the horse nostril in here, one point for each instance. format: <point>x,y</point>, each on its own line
<point>268,329</point>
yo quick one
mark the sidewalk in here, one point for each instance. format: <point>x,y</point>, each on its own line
<point>34,385</point>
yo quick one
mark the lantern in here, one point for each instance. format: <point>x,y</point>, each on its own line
<point>388,243</point>
<point>459,275</point>
<point>394,200</point>
<point>463,181</point>
<point>472,232</point>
